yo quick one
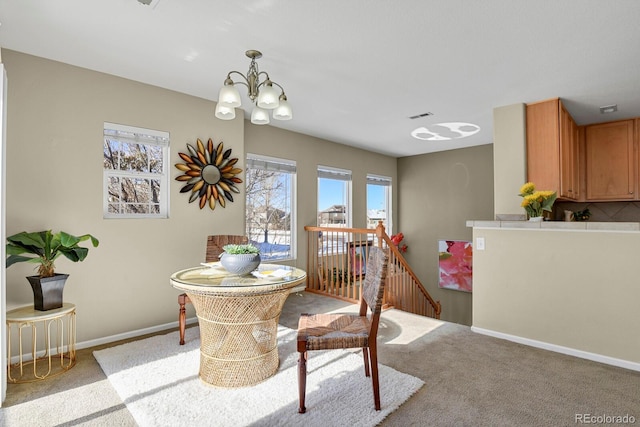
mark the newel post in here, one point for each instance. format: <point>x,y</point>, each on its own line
<point>379,232</point>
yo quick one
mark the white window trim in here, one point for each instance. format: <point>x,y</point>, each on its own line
<point>289,166</point>
<point>330,172</point>
<point>374,179</point>
<point>159,138</point>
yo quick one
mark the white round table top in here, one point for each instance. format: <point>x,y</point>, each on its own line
<point>213,278</point>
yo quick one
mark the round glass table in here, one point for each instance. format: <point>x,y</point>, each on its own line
<point>238,318</point>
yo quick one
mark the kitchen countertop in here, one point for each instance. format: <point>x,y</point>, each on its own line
<point>558,225</point>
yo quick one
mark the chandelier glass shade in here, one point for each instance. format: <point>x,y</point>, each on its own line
<point>225,113</point>
<point>259,116</point>
<point>262,93</point>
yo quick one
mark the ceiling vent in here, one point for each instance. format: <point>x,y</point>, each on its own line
<point>609,109</point>
<point>421,115</point>
<point>152,3</point>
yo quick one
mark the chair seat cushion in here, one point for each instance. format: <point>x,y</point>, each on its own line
<point>333,331</point>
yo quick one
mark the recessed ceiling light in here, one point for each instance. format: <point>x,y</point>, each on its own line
<point>445,131</point>
<point>426,135</point>
<point>609,109</point>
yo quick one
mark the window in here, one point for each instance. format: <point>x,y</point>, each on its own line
<point>379,202</point>
<point>334,197</point>
<point>270,212</point>
<point>136,180</point>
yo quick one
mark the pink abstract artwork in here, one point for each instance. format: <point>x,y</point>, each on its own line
<point>455,264</point>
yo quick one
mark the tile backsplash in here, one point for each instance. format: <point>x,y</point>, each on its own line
<point>601,211</point>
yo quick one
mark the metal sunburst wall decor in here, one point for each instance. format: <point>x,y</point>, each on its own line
<point>209,174</point>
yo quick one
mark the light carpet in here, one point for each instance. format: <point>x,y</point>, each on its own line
<point>158,381</point>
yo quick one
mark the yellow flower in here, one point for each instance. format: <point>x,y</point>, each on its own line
<point>528,188</point>
<point>538,196</point>
<point>535,202</point>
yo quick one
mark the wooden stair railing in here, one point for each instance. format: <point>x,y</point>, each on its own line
<point>404,290</point>
<point>336,265</point>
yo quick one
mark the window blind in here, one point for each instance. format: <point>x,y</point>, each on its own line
<point>135,135</point>
<point>379,180</point>
<point>334,173</point>
<point>270,164</point>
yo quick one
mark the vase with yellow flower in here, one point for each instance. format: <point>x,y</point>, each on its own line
<point>535,202</point>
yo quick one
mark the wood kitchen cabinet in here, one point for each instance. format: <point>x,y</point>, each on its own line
<point>611,166</point>
<point>552,148</point>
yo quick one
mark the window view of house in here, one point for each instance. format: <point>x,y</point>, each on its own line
<point>270,206</point>
<point>136,179</point>
<point>334,205</point>
<point>334,197</point>
<point>379,202</point>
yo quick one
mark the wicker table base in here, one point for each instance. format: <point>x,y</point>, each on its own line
<point>238,335</point>
<point>238,317</point>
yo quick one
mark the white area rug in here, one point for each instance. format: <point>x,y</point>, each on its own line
<point>158,381</point>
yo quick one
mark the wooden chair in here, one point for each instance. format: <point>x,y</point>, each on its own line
<point>214,249</point>
<point>338,331</point>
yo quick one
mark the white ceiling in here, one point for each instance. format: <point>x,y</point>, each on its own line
<point>354,71</point>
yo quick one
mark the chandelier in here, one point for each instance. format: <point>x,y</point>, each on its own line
<point>261,93</point>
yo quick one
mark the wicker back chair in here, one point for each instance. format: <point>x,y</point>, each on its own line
<point>214,249</point>
<point>339,331</point>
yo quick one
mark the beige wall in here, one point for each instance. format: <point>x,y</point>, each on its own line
<point>439,193</point>
<point>572,289</point>
<point>509,158</point>
<point>54,180</point>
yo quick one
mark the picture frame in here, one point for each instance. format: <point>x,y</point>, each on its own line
<point>455,259</point>
<point>358,252</point>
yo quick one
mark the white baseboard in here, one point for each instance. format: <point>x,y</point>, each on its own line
<point>136,333</point>
<point>153,329</point>
<point>106,340</point>
<point>634,366</point>
<point>132,334</point>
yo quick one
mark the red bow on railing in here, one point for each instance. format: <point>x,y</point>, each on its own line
<point>397,239</point>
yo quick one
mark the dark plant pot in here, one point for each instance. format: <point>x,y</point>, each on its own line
<point>47,291</point>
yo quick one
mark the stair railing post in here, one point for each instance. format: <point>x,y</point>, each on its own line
<point>380,233</point>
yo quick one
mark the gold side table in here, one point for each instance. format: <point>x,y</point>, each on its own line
<point>51,337</point>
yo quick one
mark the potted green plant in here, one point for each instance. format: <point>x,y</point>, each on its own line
<point>240,259</point>
<point>582,215</point>
<point>44,247</point>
